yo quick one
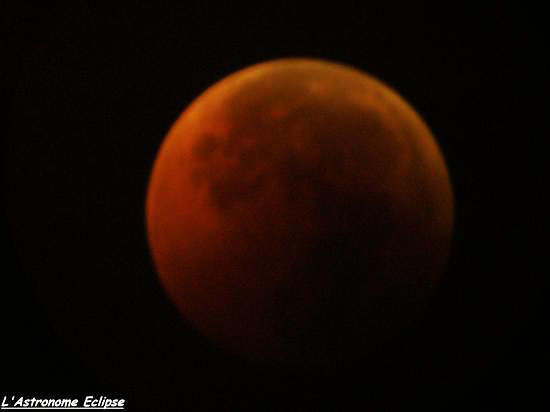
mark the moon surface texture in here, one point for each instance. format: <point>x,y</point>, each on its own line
<point>299,212</point>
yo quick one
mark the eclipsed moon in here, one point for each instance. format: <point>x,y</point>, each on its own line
<point>298,212</point>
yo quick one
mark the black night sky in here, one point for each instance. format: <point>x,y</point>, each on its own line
<point>92,92</point>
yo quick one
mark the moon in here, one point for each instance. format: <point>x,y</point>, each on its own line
<point>299,212</point>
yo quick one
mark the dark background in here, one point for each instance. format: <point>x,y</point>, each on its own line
<point>92,92</point>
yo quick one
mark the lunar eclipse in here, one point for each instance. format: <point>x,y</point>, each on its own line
<point>299,212</point>
<point>197,220</point>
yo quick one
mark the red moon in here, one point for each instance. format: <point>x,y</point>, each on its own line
<point>298,212</point>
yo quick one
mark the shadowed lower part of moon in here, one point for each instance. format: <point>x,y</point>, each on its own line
<point>298,212</point>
